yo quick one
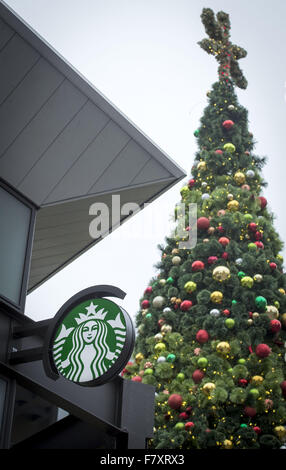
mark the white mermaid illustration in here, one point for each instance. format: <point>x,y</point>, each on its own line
<point>89,350</point>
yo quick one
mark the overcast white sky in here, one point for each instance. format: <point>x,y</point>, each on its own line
<point>143,56</point>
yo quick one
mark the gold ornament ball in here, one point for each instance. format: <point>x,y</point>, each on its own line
<point>247,281</point>
<point>173,300</point>
<point>250,321</point>
<point>221,273</point>
<point>176,260</point>
<point>190,286</point>
<point>211,230</point>
<point>162,282</point>
<point>258,277</point>
<point>208,388</point>
<point>239,177</point>
<point>175,251</point>
<point>257,380</point>
<point>277,304</point>
<point>178,301</point>
<point>233,205</point>
<point>223,347</point>
<point>160,347</point>
<point>138,358</point>
<point>202,166</point>
<point>282,291</point>
<point>283,319</point>
<point>280,432</point>
<point>280,258</point>
<point>255,315</point>
<point>272,312</point>
<point>144,312</point>
<point>227,444</point>
<point>216,297</point>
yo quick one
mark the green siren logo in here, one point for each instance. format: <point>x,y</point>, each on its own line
<point>89,340</point>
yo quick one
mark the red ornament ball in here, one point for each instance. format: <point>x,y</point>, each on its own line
<point>191,183</point>
<point>262,350</point>
<point>220,229</point>
<point>273,265</point>
<point>212,259</point>
<point>202,336</point>
<point>259,245</point>
<point>243,382</point>
<point>258,235</point>
<point>224,255</point>
<point>263,202</point>
<point>275,326</point>
<point>189,410</point>
<point>161,322</point>
<point>228,124</point>
<point>198,376</point>
<point>183,415</point>
<point>226,312</point>
<point>189,425</point>
<point>249,411</point>
<point>219,152</point>
<point>257,429</point>
<point>203,223</point>
<point>137,378</point>
<point>198,266</point>
<point>283,388</point>
<point>252,226</point>
<point>223,241</point>
<point>148,290</point>
<point>175,401</point>
<point>145,304</point>
<point>186,305</point>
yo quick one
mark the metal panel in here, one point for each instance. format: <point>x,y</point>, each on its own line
<point>91,164</point>
<point>123,169</point>
<point>152,171</point>
<point>6,33</point>
<point>62,154</point>
<point>16,59</point>
<point>26,101</point>
<point>24,154</point>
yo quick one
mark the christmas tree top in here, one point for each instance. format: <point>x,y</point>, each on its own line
<point>219,45</point>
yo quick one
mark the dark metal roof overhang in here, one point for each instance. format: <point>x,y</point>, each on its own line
<point>64,146</point>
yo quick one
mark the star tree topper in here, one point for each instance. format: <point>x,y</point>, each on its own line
<point>219,45</point>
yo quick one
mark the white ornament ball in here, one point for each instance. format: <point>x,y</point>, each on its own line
<point>158,337</point>
<point>161,359</point>
<point>214,312</point>
<point>176,260</point>
<point>239,261</point>
<point>204,184</point>
<point>230,197</point>
<point>231,107</point>
<point>158,301</point>
<point>162,282</point>
<point>205,196</point>
<point>250,174</point>
<point>167,309</point>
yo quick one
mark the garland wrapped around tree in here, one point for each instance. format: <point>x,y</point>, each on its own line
<point>212,324</point>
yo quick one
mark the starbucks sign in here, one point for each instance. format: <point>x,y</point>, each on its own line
<point>91,338</point>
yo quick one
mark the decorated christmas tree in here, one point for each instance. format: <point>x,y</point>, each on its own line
<point>212,323</point>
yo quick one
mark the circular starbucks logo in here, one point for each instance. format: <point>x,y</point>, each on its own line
<point>91,342</point>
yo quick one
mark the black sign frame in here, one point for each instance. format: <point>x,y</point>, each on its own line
<point>91,293</point>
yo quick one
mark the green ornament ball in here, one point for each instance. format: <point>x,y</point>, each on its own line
<point>261,303</point>
<point>241,361</point>
<point>243,425</point>
<point>229,323</point>
<point>241,274</point>
<point>148,315</point>
<point>170,280</point>
<point>184,191</point>
<point>180,426</point>
<point>181,376</point>
<point>148,371</point>
<point>234,302</point>
<point>247,217</point>
<point>171,358</point>
<point>196,133</point>
<point>202,362</point>
<point>254,392</point>
<point>252,247</point>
